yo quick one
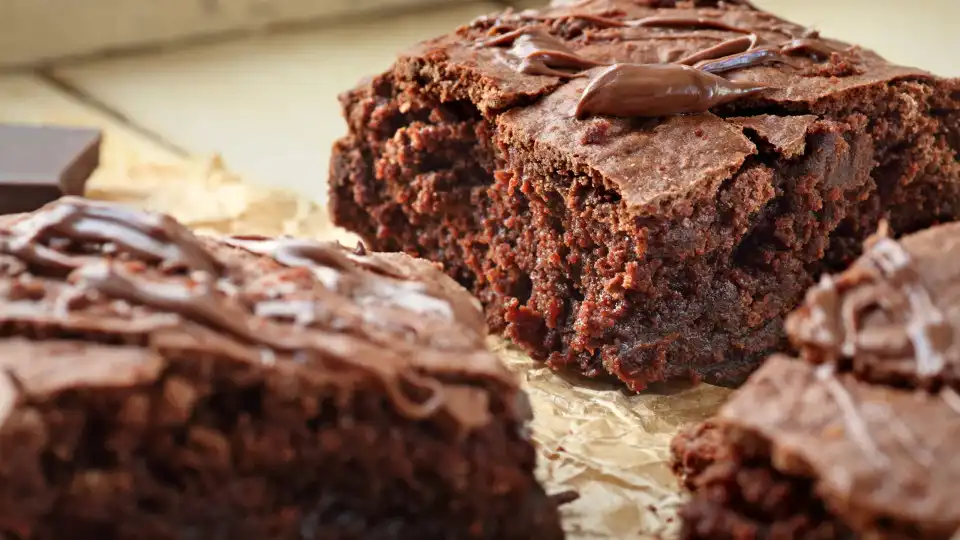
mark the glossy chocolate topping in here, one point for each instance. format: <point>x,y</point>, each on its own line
<point>686,22</point>
<point>755,57</point>
<point>396,319</point>
<point>894,309</point>
<point>535,52</point>
<point>724,48</point>
<point>649,90</point>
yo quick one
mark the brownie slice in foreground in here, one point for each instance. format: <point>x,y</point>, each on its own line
<point>158,385</point>
<point>860,440</point>
<point>606,232</point>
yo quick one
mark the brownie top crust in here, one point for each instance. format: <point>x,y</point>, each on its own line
<point>99,294</point>
<point>893,315</point>
<point>532,69</point>
<point>878,454</point>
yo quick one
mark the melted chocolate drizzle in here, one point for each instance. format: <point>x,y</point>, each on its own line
<point>203,296</point>
<point>724,48</point>
<point>649,90</point>
<point>536,52</point>
<point>755,57</point>
<point>685,22</point>
<point>153,237</point>
<point>886,277</point>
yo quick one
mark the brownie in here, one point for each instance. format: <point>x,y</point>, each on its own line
<point>809,455</point>
<point>894,316</point>
<point>159,385</point>
<point>643,189</point>
<point>858,438</point>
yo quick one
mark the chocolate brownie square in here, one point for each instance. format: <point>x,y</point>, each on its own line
<point>807,454</point>
<point>643,189</point>
<point>858,439</point>
<point>158,385</point>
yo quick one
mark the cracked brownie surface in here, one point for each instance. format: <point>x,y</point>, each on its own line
<point>643,247</point>
<point>858,438</point>
<point>158,385</point>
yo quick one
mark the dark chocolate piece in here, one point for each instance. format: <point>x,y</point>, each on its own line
<point>649,90</point>
<point>38,164</point>
<point>160,385</point>
<point>646,248</point>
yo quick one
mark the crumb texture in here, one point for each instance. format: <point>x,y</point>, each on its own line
<point>646,249</point>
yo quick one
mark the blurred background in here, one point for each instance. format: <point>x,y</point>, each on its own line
<point>257,80</point>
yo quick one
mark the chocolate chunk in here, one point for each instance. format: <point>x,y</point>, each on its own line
<point>39,164</point>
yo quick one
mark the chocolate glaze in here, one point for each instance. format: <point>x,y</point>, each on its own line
<point>535,52</point>
<point>658,90</point>
<point>724,48</point>
<point>371,300</point>
<point>203,305</point>
<point>751,58</point>
<point>152,237</point>
<point>366,278</point>
<point>686,22</point>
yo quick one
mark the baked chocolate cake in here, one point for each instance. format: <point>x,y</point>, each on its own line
<point>858,441</point>
<point>158,385</point>
<point>643,188</point>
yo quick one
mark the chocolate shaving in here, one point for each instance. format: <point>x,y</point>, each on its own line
<point>751,58</point>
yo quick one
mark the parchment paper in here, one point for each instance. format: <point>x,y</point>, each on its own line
<point>609,445</point>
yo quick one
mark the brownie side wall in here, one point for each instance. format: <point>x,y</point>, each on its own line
<point>740,492</point>
<point>217,450</point>
<point>572,276</point>
<point>739,495</point>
